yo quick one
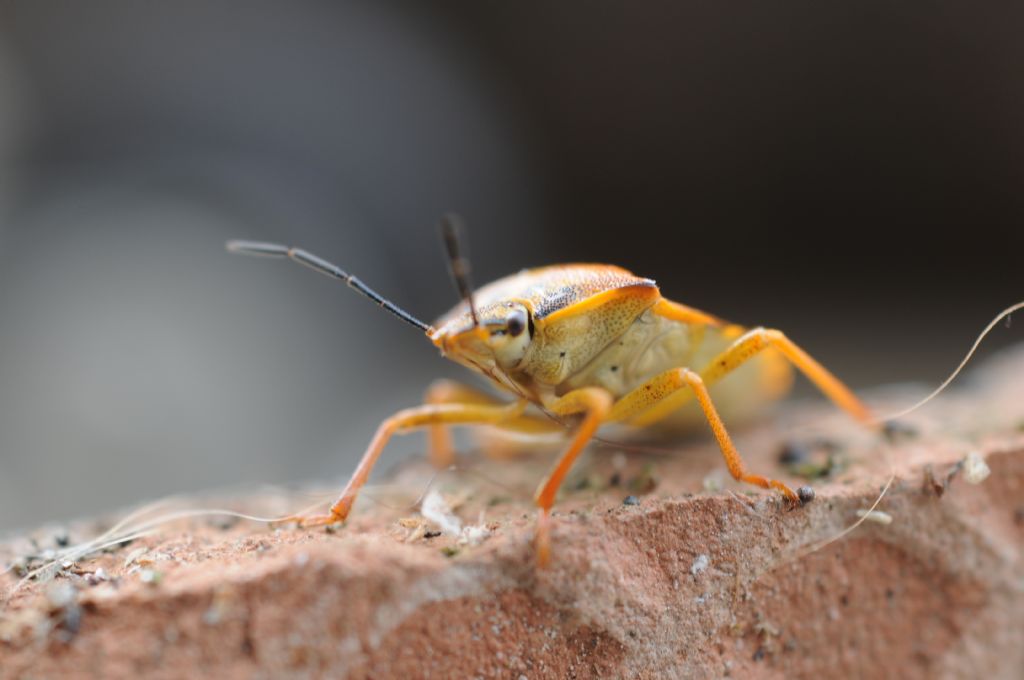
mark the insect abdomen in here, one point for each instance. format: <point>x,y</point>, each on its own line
<point>654,344</point>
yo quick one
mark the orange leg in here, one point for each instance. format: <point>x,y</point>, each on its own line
<point>684,314</point>
<point>665,386</point>
<point>420,416</point>
<point>594,403</point>
<point>746,347</point>
<point>439,438</point>
<point>442,454</point>
<point>759,339</point>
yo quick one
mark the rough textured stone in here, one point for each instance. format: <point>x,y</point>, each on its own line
<point>688,583</point>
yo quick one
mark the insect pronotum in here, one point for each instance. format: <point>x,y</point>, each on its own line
<point>588,343</point>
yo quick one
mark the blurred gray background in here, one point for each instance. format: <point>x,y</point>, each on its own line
<point>850,174</point>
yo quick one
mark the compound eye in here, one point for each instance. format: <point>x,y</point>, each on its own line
<point>515,322</point>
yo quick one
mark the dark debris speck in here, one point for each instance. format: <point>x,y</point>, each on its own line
<point>816,459</point>
<point>72,619</point>
<point>793,453</point>
<point>431,534</point>
<point>224,522</point>
<point>62,539</point>
<point>939,484</point>
<point>645,482</point>
<point>897,430</point>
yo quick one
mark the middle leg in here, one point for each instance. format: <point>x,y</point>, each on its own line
<point>594,404</point>
<point>665,386</point>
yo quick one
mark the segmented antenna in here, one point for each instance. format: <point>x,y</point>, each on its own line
<point>458,264</point>
<point>321,265</point>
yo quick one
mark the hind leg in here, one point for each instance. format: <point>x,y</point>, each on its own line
<point>745,348</point>
<point>666,386</point>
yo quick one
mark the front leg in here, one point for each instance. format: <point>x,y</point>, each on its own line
<point>442,454</point>
<point>410,419</point>
<point>594,403</point>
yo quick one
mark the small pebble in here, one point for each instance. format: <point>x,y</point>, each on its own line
<point>875,516</point>
<point>96,577</point>
<point>700,564</point>
<point>897,431</point>
<point>712,482</point>
<point>805,494</point>
<point>150,577</point>
<point>631,500</point>
<point>976,470</point>
<point>61,594</point>
<point>72,621</point>
<point>134,555</point>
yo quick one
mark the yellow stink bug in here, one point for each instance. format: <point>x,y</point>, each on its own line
<point>589,343</point>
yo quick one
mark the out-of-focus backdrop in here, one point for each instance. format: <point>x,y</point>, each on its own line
<point>851,173</point>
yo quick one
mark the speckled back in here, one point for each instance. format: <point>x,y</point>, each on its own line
<point>546,290</point>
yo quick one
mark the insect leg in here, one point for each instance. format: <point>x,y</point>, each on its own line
<point>759,339</point>
<point>684,314</point>
<point>439,438</point>
<point>409,419</point>
<point>440,447</point>
<point>669,383</point>
<point>594,403</point>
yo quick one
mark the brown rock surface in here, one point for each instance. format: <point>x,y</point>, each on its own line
<point>687,583</point>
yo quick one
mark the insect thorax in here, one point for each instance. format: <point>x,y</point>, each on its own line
<point>652,344</point>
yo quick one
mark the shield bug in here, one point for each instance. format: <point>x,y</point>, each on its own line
<point>589,344</point>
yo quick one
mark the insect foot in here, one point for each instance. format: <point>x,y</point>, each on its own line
<point>308,521</point>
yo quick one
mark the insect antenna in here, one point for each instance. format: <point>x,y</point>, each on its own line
<point>260,249</point>
<point>458,264</point>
